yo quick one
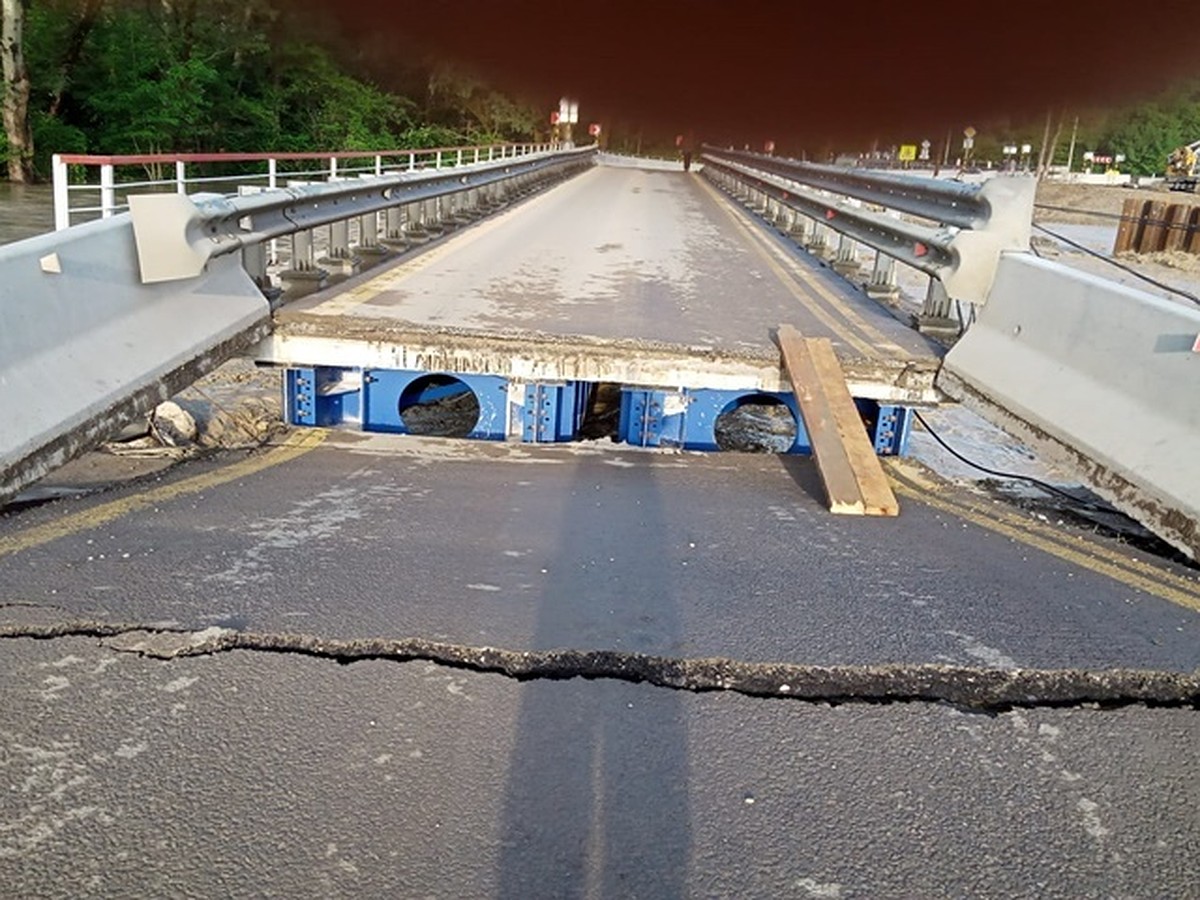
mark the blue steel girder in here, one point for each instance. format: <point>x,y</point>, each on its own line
<point>687,418</point>
<point>553,412</point>
<point>384,399</point>
<point>316,396</point>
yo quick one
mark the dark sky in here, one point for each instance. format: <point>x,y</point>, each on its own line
<point>803,73</point>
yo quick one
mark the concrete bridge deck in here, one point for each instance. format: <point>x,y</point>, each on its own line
<point>620,274</point>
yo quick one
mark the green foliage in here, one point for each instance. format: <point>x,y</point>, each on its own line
<point>133,76</point>
<point>320,107</point>
<point>1147,134</point>
<point>426,136</point>
<point>474,110</point>
<point>52,135</point>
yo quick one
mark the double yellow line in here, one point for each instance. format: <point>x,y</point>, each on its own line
<point>1065,545</point>
<point>297,444</point>
<point>834,312</point>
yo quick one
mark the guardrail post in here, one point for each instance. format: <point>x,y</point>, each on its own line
<point>254,261</point>
<point>469,205</point>
<point>393,228</point>
<point>303,277</point>
<point>369,247</point>
<point>883,278</point>
<point>338,257</point>
<point>846,262</point>
<point>108,196</point>
<point>429,217</point>
<point>180,177</point>
<point>937,314</point>
<point>817,242</point>
<point>333,168</point>
<point>458,157</point>
<point>378,166</point>
<point>62,192</point>
<point>414,223</point>
<point>412,161</point>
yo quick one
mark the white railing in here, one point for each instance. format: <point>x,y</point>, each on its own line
<point>95,186</point>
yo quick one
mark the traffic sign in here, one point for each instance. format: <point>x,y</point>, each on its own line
<point>969,132</point>
<point>908,152</point>
<point>594,129</point>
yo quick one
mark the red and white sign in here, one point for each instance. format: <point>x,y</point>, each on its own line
<point>554,116</point>
<point>594,129</point>
<point>769,147</point>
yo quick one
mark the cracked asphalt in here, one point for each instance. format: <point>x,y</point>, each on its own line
<point>278,767</point>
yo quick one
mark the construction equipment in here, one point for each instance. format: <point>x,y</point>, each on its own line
<point>1183,168</point>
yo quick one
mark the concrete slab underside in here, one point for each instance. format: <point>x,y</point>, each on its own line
<point>618,254</point>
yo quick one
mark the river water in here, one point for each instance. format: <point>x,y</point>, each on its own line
<point>25,210</point>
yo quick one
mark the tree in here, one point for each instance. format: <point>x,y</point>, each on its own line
<point>16,91</point>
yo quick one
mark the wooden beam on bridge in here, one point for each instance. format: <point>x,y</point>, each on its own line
<point>854,480</point>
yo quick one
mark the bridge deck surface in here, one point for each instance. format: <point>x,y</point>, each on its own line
<point>620,253</point>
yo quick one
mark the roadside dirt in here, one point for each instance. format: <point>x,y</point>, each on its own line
<point>1095,204</point>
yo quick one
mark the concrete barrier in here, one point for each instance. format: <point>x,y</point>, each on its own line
<point>85,346</point>
<point>1099,377</point>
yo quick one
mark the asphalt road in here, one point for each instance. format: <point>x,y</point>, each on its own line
<point>254,773</point>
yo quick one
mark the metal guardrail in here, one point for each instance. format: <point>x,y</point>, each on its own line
<point>176,236</point>
<point>952,232</point>
<point>103,178</point>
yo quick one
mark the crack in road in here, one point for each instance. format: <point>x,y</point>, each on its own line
<point>974,688</point>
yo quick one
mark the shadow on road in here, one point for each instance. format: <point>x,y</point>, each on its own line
<point>597,802</point>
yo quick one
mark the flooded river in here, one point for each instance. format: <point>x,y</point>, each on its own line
<point>25,210</point>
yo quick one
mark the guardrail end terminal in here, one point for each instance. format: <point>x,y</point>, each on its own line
<point>161,230</point>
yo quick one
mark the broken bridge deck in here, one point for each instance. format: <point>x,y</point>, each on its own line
<point>621,275</point>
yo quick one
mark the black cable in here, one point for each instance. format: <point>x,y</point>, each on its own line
<point>1010,475</point>
<point>1096,214</point>
<point>1113,262</point>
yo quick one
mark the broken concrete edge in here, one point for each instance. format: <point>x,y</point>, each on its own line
<point>971,688</point>
<point>305,339</point>
<point>1166,518</point>
<point>91,432</point>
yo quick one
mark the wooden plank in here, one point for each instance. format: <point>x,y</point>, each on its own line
<point>832,462</point>
<point>877,496</point>
<point>1192,244</point>
<point>1132,214</point>
<point>854,479</point>
<point>1177,226</point>
<point>1154,234</point>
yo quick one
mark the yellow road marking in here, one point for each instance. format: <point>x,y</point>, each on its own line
<point>874,339</point>
<point>297,444</point>
<point>1069,548</point>
<point>882,342</point>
